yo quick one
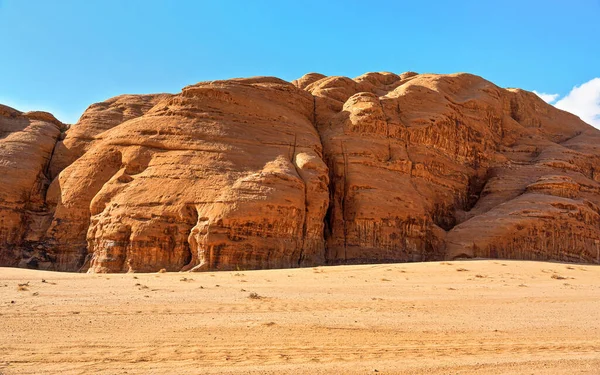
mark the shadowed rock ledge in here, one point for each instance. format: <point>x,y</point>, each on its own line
<point>264,173</point>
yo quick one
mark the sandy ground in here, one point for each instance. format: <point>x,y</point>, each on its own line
<point>473,317</point>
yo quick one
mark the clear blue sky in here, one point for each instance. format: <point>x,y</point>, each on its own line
<point>62,55</point>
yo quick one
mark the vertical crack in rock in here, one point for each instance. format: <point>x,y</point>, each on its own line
<point>474,190</point>
<point>190,214</point>
<point>314,117</point>
<point>74,232</point>
<point>47,166</point>
<point>343,200</point>
<point>327,217</point>
<point>387,131</point>
<point>192,241</point>
<point>295,164</point>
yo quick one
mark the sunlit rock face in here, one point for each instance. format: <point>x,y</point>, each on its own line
<point>27,142</point>
<point>427,167</point>
<point>263,173</point>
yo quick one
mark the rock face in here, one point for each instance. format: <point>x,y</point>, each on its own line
<point>427,167</point>
<point>263,173</point>
<point>27,142</point>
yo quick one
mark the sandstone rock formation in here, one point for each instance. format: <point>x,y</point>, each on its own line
<point>263,173</point>
<point>427,167</point>
<point>27,142</point>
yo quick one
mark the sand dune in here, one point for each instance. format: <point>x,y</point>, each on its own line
<point>483,317</point>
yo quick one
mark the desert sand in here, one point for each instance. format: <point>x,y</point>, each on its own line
<point>459,317</point>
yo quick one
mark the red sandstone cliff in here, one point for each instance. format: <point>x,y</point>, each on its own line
<point>263,173</point>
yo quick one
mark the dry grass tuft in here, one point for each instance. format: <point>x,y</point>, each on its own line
<point>254,295</point>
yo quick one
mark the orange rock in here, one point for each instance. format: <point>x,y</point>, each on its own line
<point>263,173</point>
<point>225,175</point>
<point>98,118</point>
<point>427,167</point>
<point>26,145</point>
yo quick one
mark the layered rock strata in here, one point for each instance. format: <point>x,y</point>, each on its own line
<point>263,173</point>
<point>27,144</point>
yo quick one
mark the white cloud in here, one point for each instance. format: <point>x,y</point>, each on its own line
<point>583,101</point>
<point>548,98</point>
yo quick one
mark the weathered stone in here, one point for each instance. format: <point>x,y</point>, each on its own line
<point>262,173</point>
<point>26,145</point>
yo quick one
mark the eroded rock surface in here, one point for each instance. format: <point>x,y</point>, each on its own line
<point>427,167</point>
<point>225,175</point>
<point>27,142</point>
<point>263,173</point>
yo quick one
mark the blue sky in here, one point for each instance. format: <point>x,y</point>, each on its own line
<point>63,55</point>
